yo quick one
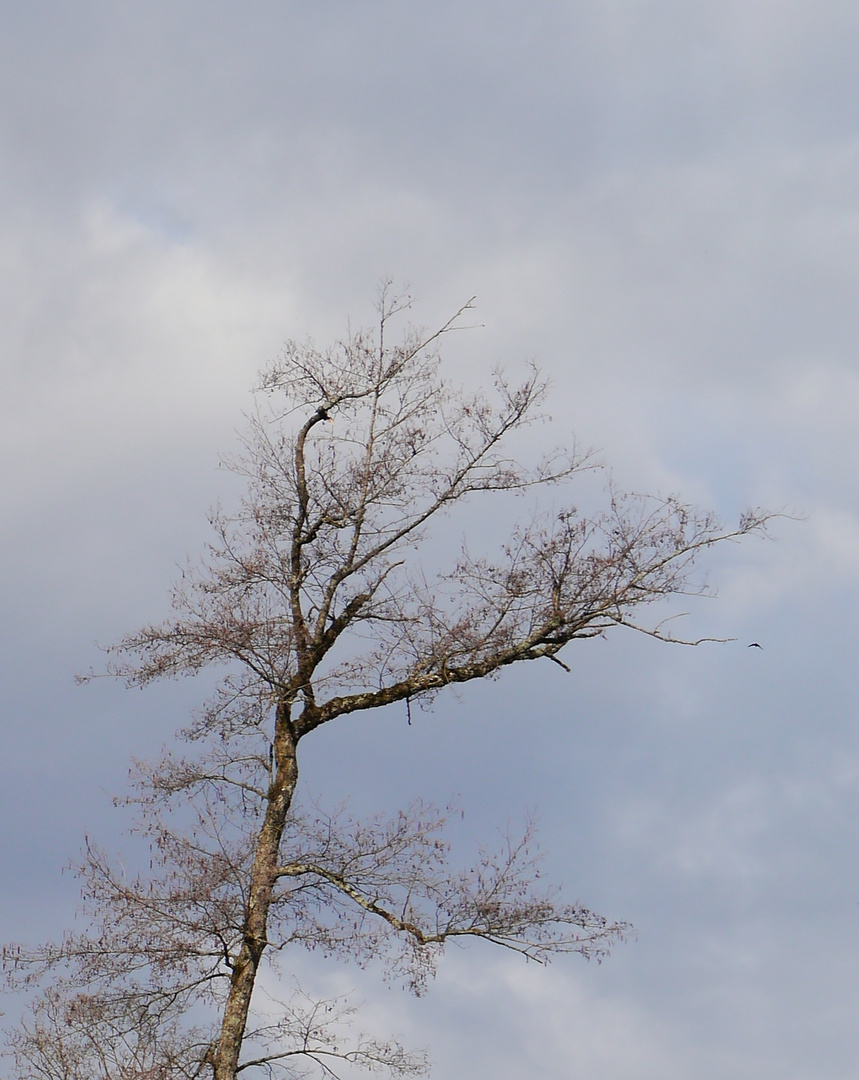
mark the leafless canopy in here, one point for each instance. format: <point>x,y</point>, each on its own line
<point>319,600</point>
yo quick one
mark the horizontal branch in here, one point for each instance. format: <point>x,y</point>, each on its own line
<point>495,921</point>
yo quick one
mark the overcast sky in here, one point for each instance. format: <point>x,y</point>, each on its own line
<point>659,202</point>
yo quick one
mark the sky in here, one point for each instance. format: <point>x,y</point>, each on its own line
<point>656,201</point>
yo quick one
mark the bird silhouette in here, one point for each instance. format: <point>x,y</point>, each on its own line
<point>754,645</point>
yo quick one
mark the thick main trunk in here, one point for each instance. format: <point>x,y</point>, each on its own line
<point>266,859</point>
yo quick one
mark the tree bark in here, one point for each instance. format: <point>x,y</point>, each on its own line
<point>255,932</point>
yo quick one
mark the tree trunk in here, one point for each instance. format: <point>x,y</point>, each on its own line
<point>255,935</point>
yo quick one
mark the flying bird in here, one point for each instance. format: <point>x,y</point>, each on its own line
<point>754,645</point>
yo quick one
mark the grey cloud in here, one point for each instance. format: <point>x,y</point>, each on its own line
<point>659,203</point>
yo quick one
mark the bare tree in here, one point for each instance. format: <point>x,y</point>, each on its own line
<point>316,601</point>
